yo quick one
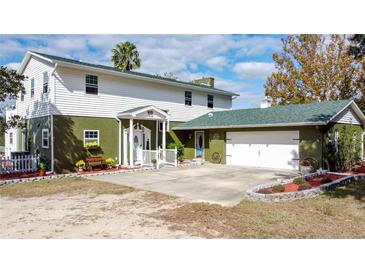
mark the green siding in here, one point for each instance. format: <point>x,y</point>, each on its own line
<point>33,144</point>
<point>310,144</point>
<point>69,139</point>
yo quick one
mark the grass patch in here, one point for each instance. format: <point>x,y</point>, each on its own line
<point>339,213</point>
<point>72,185</point>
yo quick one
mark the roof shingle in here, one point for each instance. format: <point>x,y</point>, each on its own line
<point>296,114</point>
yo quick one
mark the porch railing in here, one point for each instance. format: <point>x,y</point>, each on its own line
<point>162,156</point>
<point>19,164</point>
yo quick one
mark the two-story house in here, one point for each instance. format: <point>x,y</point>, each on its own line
<point>69,103</point>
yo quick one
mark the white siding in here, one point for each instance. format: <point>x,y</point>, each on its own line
<point>347,117</point>
<point>8,146</point>
<point>118,94</point>
<point>40,104</point>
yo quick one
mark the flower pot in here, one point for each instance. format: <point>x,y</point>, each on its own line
<point>81,169</point>
<point>42,173</point>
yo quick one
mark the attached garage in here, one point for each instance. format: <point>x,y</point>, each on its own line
<point>272,149</point>
<point>280,137</point>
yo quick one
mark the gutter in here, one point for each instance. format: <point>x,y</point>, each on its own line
<point>254,126</point>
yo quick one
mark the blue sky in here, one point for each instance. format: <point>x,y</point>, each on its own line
<point>239,63</point>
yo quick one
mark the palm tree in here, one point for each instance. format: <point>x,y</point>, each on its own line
<point>126,56</point>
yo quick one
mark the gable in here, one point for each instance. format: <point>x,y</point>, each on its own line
<point>347,116</point>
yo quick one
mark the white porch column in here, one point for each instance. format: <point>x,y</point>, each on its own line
<point>131,142</point>
<point>164,134</point>
<point>119,142</point>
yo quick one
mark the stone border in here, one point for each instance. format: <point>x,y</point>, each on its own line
<point>308,193</point>
<point>58,176</point>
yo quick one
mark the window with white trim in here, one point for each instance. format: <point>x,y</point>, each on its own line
<point>45,82</point>
<point>210,101</point>
<point>45,138</point>
<point>188,98</point>
<point>91,136</point>
<point>91,84</point>
<point>11,137</point>
<point>32,87</point>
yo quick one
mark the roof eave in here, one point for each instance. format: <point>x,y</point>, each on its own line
<point>26,59</point>
<point>254,126</point>
<point>144,78</point>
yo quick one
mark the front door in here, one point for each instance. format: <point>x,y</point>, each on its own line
<point>137,146</point>
<point>199,144</point>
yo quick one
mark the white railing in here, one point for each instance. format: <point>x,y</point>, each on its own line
<point>168,156</point>
<point>18,164</point>
<point>148,156</point>
<point>162,157</point>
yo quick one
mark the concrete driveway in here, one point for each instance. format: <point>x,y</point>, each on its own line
<point>221,184</point>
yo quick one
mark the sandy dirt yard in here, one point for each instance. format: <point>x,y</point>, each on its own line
<point>70,214</point>
<point>81,208</point>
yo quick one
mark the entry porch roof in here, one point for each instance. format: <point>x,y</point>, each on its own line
<point>144,112</point>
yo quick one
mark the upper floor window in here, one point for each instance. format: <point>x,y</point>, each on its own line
<point>45,138</point>
<point>91,84</point>
<point>11,138</point>
<point>210,101</point>
<point>32,87</point>
<point>91,136</point>
<point>188,98</point>
<point>45,82</point>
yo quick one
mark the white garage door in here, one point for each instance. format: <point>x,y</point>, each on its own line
<point>273,149</point>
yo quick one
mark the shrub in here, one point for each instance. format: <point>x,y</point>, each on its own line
<point>325,180</point>
<point>354,169</point>
<point>278,188</point>
<point>80,163</point>
<point>264,191</point>
<point>110,161</point>
<point>179,148</point>
<point>299,181</point>
<point>304,186</point>
<point>154,161</point>
<point>42,166</point>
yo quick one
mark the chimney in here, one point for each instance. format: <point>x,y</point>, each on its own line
<point>206,81</point>
<point>266,102</point>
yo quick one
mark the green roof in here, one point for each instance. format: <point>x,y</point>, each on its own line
<point>295,114</point>
<point>72,61</point>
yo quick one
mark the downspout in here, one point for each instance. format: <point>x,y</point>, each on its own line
<point>52,145</point>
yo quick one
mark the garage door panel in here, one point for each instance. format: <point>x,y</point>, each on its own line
<point>275,149</point>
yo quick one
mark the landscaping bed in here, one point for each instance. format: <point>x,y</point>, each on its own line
<point>307,186</point>
<point>302,184</point>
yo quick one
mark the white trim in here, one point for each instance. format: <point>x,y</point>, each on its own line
<point>97,86</point>
<point>362,146</point>
<point>26,59</point>
<point>92,138</point>
<point>200,131</point>
<point>139,111</point>
<point>43,131</point>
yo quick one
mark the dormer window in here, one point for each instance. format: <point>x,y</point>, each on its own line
<point>91,82</point>
<point>45,82</point>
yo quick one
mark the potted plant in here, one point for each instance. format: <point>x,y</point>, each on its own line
<point>42,168</point>
<point>80,165</point>
<point>110,162</point>
<point>154,162</point>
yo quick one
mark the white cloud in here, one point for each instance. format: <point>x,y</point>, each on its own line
<point>253,70</point>
<point>217,62</point>
<point>257,45</point>
<point>13,65</point>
